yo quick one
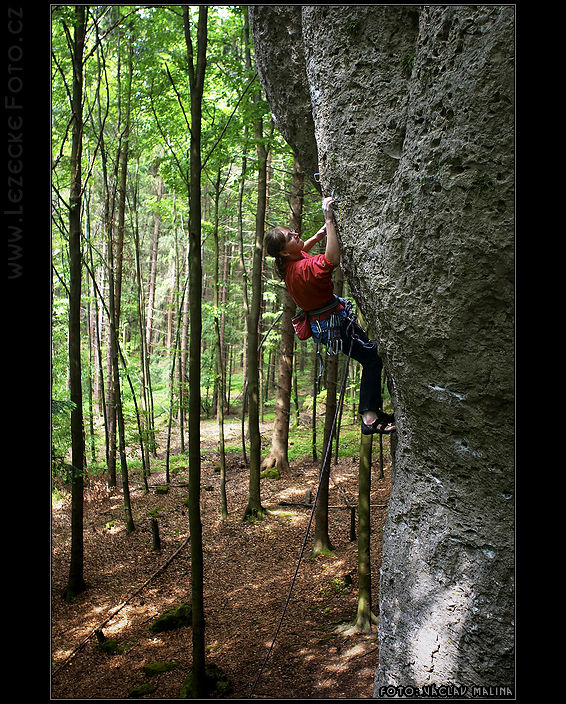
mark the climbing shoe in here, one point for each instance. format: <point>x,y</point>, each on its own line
<point>383,424</point>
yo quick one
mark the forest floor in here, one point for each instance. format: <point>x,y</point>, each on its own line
<point>248,569</point>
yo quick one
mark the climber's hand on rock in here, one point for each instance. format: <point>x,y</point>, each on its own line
<point>321,234</point>
<point>326,208</point>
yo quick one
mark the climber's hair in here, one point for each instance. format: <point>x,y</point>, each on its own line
<point>275,241</point>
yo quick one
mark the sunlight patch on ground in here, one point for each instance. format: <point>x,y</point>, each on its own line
<point>114,529</point>
<point>292,494</point>
<point>60,655</point>
<point>354,650</point>
<point>306,654</point>
<point>117,626</point>
<point>339,477</point>
<point>293,517</point>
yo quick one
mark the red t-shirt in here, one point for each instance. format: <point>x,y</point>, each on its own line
<point>309,280</point>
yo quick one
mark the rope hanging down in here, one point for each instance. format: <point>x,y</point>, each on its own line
<point>328,446</point>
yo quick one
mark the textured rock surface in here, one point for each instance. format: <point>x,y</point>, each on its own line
<point>278,43</point>
<point>412,117</point>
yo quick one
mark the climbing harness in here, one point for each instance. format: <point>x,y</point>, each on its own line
<point>323,469</point>
<point>326,328</point>
<point>325,324</point>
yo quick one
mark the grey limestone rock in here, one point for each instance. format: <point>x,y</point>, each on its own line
<point>407,113</point>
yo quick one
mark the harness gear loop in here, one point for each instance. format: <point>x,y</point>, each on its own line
<point>326,327</point>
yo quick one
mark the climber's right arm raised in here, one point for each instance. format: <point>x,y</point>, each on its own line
<point>332,251</point>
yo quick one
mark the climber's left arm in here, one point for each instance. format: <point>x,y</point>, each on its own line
<point>318,237</point>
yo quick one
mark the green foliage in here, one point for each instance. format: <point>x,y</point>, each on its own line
<point>158,149</point>
<point>61,438</point>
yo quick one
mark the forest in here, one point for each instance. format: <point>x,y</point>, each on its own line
<point>194,438</point>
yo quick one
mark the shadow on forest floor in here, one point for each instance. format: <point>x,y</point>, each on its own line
<point>248,568</point>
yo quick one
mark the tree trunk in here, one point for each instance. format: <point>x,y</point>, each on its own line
<point>322,541</point>
<point>225,357</point>
<point>196,81</point>
<point>175,352</point>
<point>364,617</point>
<point>321,538</point>
<point>146,428</point>
<point>219,364</point>
<point>278,454</point>
<point>315,390</point>
<point>91,317</point>
<point>254,508</point>
<point>124,155</point>
<point>153,268</point>
<point>115,255</point>
<point>76,582</point>
<point>183,358</point>
<point>116,401</point>
<point>244,291</point>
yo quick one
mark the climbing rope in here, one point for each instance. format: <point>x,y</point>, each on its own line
<point>324,462</point>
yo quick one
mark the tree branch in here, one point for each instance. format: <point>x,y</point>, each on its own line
<point>183,175</point>
<point>178,98</point>
<point>229,120</point>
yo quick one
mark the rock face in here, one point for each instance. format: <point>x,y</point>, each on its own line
<point>409,112</point>
<point>278,42</point>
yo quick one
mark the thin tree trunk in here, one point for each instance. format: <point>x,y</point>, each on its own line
<point>144,421</point>
<point>114,275</point>
<point>321,536</point>
<point>278,454</point>
<point>76,582</point>
<point>225,266</point>
<point>321,541</point>
<point>364,617</point>
<point>117,401</point>
<point>116,296</point>
<point>153,268</point>
<point>196,81</point>
<point>295,386</point>
<point>315,390</point>
<point>254,507</point>
<point>176,348</point>
<point>219,365</point>
<point>244,287</point>
<point>91,318</point>
<point>98,373</point>
<point>183,391</point>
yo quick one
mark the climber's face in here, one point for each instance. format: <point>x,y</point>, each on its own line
<point>293,246</point>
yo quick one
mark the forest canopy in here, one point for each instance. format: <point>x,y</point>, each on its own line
<point>134,197</point>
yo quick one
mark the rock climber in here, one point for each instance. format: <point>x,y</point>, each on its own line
<point>325,316</point>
